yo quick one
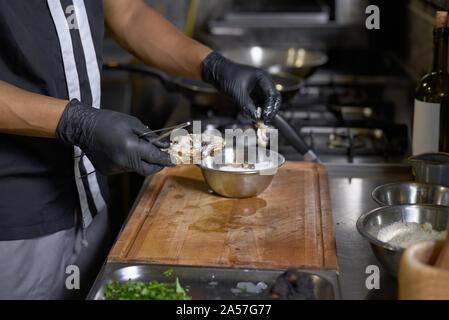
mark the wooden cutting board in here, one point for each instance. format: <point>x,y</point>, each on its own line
<point>177,221</point>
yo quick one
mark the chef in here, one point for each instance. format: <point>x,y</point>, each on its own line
<point>57,144</point>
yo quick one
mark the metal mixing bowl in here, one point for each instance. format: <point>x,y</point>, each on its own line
<point>371,222</point>
<point>411,193</point>
<point>239,184</point>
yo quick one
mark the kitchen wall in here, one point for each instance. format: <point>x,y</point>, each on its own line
<point>176,10</point>
<point>440,3</point>
<point>419,35</point>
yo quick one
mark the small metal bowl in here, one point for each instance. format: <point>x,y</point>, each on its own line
<point>370,223</point>
<point>239,184</point>
<point>411,193</point>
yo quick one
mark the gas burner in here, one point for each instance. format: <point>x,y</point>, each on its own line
<point>348,138</point>
<point>351,137</point>
<point>345,140</point>
<point>355,142</point>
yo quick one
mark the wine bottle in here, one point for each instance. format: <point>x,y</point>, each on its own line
<point>431,110</point>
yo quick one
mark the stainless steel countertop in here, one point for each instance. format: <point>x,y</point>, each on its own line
<point>350,188</point>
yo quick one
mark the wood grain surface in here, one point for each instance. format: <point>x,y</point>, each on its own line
<point>177,221</point>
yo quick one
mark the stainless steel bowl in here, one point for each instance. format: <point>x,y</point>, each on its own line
<point>370,223</point>
<point>411,193</point>
<point>239,184</point>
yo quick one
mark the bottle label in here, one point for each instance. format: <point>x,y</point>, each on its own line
<point>426,127</point>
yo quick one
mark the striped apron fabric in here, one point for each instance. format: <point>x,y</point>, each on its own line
<point>80,60</point>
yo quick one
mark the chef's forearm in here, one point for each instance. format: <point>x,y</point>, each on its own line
<point>153,39</point>
<point>29,114</point>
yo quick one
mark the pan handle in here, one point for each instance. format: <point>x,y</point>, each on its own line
<point>294,138</point>
<point>166,79</point>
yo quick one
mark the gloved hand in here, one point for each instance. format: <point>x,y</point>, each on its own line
<point>243,83</point>
<point>111,140</point>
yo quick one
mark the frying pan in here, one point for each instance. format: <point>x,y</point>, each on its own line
<point>296,61</point>
<point>203,94</point>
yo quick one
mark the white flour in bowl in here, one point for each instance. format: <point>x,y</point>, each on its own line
<point>404,234</point>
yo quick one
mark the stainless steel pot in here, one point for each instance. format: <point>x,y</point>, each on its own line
<point>431,167</point>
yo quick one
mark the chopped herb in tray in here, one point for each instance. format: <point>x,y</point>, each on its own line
<point>151,290</point>
<point>168,273</point>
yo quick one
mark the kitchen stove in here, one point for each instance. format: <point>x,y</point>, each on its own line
<point>348,111</point>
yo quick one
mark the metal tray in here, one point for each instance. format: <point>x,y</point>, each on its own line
<point>212,283</point>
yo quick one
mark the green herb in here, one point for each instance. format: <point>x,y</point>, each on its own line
<point>151,290</point>
<point>178,287</point>
<point>168,273</point>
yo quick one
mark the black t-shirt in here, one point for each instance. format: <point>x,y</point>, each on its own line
<point>38,187</point>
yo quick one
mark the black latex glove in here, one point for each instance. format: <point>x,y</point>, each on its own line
<point>250,87</point>
<point>111,140</point>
